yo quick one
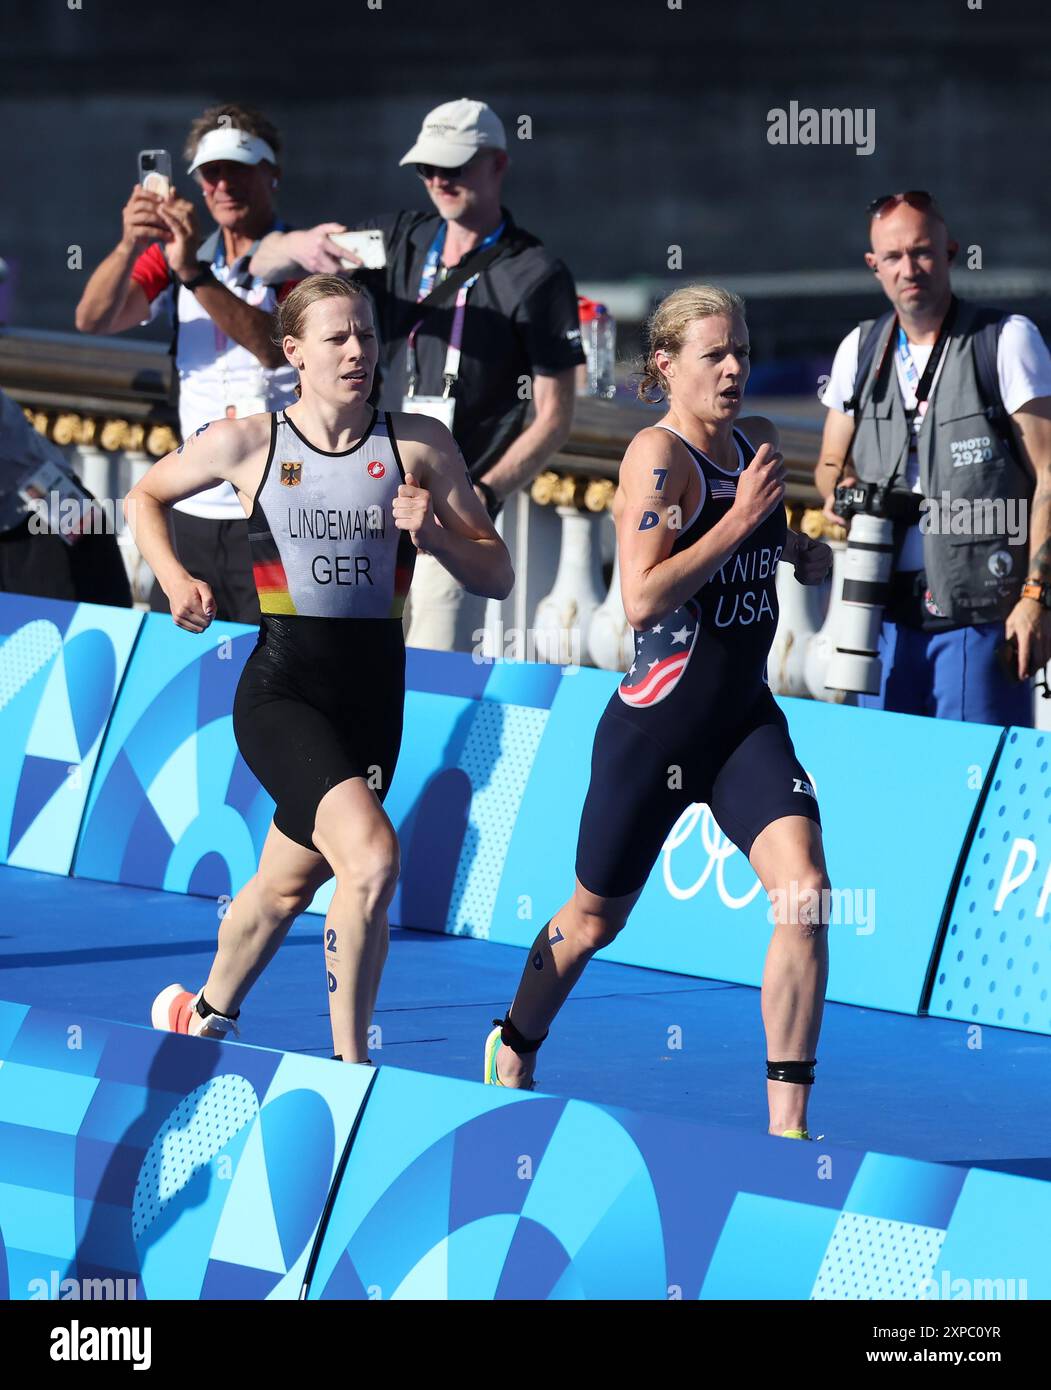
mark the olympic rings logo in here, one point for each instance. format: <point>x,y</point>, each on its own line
<point>719,849</point>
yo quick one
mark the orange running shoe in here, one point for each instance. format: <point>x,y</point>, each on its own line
<point>174,1008</point>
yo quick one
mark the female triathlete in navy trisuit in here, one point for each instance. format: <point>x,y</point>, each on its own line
<point>701,530</point>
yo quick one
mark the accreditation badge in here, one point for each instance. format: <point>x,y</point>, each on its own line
<point>56,503</point>
<point>442,408</point>
<point>244,406</point>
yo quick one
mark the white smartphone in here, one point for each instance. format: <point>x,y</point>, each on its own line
<point>367,246</point>
<point>155,171</point>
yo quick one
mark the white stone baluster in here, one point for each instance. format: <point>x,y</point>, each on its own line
<point>134,464</point>
<point>611,638</point>
<point>563,618</point>
<point>802,609</point>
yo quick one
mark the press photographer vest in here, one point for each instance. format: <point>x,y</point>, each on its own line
<point>975,576</point>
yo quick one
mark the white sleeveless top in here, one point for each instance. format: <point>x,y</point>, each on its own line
<point>324,543</point>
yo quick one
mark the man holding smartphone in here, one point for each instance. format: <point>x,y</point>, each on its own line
<point>475,318</point>
<point>227,363</point>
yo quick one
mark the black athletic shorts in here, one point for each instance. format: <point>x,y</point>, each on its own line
<point>320,700</point>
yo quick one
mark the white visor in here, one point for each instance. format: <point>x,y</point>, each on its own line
<point>230,143</point>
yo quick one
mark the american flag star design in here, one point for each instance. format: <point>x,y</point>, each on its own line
<point>662,653</point>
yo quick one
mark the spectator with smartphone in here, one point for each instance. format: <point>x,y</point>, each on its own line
<point>475,317</point>
<point>227,363</point>
<point>946,408</point>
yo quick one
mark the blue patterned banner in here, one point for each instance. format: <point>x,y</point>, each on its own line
<point>995,962</point>
<point>60,667</point>
<point>173,804</point>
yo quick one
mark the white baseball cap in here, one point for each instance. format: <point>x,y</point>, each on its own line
<point>452,133</point>
<point>230,143</point>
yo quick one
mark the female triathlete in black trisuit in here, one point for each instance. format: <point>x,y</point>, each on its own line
<point>338,498</point>
<point>701,530</point>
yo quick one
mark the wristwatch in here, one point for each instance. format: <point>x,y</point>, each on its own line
<point>203,276</point>
<point>1039,589</point>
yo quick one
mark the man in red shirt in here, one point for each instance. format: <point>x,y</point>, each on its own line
<point>226,360</point>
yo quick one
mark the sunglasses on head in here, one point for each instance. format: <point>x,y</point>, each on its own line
<point>436,171</point>
<point>916,198</point>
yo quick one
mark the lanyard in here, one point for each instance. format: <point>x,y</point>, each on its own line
<point>922,384</point>
<point>427,279</point>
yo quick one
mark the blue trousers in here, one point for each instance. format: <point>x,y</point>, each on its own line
<point>949,675</point>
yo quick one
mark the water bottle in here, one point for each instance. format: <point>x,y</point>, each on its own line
<point>598,333</point>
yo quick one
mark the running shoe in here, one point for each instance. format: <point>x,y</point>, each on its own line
<point>490,1076</point>
<point>800,1134</point>
<point>173,1009</point>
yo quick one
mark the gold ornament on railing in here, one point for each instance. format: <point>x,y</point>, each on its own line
<point>161,440</point>
<point>543,490</point>
<point>136,438</point>
<point>599,494</point>
<point>114,435</point>
<point>817,526</point>
<point>565,492</point>
<point>66,428</point>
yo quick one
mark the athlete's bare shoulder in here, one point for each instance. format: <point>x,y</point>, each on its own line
<point>229,442</point>
<point>652,448</point>
<point>758,430</point>
<point>425,444</point>
<point>654,472</point>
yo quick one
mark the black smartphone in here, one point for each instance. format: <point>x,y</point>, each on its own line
<point>1007,655</point>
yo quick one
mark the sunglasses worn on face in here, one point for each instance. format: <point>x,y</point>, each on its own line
<point>916,198</point>
<point>435,171</point>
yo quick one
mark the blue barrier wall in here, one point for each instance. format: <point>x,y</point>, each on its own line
<point>173,804</point>
<point>202,1170</point>
<point>995,964</point>
<point>486,799</point>
<point>199,1171</point>
<point>60,667</point>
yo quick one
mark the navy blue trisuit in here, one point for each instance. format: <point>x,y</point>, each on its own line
<point>693,719</point>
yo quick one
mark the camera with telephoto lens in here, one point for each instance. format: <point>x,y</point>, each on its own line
<point>872,509</point>
<point>876,499</point>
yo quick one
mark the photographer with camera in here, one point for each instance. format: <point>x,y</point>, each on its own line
<point>938,430</point>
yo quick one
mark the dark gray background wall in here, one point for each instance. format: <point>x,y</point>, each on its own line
<point>649,124</point>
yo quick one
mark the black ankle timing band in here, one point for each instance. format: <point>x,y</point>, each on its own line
<point>512,1038</point>
<point>204,1009</point>
<point>798,1073</point>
